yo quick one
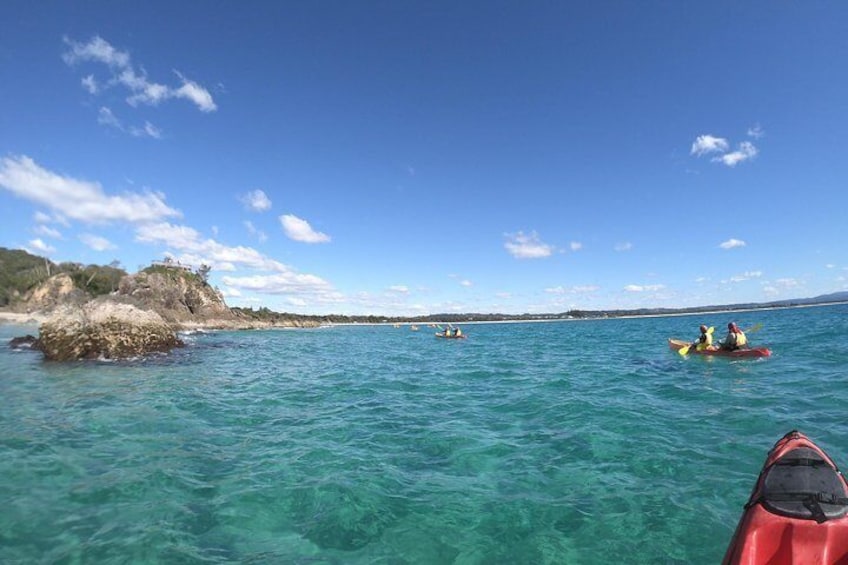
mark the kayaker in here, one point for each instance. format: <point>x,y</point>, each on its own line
<point>705,340</point>
<point>735,338</point>
<point>457,332</point>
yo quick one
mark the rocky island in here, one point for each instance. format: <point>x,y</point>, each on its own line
<point>95,312</point>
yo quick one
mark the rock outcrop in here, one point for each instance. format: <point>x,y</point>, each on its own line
<point>181,298</point>
<point>24,342</point>
<point>56,291</point>
<point>104,328</point>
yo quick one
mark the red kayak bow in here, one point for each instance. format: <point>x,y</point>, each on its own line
<point>798,511</point>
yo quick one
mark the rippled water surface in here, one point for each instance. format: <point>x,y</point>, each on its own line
<point>571,442</point>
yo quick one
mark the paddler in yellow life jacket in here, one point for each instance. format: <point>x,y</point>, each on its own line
<point>705,340</point>
<point>735,339</point>
<point>457,332</point>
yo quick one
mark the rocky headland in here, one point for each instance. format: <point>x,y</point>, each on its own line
<point>142,313</point>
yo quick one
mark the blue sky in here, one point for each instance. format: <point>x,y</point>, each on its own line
<point>408,158</point>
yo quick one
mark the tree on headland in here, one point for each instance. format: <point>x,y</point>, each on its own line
<point>203,272</point>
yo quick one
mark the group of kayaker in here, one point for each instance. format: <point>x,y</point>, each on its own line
<point>451,331</point>
<point>735,339</point>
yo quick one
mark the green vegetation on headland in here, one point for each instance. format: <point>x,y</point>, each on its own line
<point>21,273</point>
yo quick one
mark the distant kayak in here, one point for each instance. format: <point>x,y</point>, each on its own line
<point>443,336</point>
<point>676,344</point>
<point>798,511</point>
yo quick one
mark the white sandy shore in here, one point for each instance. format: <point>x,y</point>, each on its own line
<point>22,319</point>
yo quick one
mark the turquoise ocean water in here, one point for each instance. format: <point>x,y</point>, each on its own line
<point>568,442</point>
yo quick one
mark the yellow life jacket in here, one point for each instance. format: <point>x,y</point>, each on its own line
<point>706,340</point>
<point>741,340</point>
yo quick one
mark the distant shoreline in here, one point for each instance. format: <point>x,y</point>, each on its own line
<point>36,318</point>
<point>589,318</point>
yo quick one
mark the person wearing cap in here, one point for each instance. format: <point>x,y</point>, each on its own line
<point>705,340</point>
<point>735,338</point>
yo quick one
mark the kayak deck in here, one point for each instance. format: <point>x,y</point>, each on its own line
<point>675,344</point>
<point>798,510</point>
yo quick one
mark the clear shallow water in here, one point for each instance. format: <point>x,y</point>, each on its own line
<point>574,442</point>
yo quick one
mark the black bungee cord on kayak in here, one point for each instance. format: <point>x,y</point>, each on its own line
<point>798,484</point>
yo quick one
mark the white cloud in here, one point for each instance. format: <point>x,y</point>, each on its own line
<point>38,245</point>
<point>96,50</point>
<point>90,84</point>
<point>123,73</point>
<point>745,152</point>
<point>230,292</point>
<point>96,242</point>
<point>193,92</point>
<point>78,199</point>
<point>148,130</point>
<point>42,218</point>
<point>584,289</point>
<point>709,144</point>
<point>756,132</point>
<point>304,286</point>
<point>399,288</point>
<point>579,289</point>
<point>575,246</point>
<point>624,246</point>
<point>732,243</point>
<point>644,288</point>
<point>106,117</point>
<point>300,230</point>
<point>787,283</point>
<point>209,251</point>
<point>746,276</point>
<point>256,200</point>
<point>47,231</point>
<point>466,283</point>
<point>259,234</point>
<point>527,246</point>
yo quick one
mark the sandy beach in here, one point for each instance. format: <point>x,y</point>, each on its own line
<point>21,318</point>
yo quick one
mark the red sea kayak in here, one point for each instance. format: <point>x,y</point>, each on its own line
<point>798,511</point>
<point>676,344</point>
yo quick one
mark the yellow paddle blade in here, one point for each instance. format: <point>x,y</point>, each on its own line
<point>710,330</point>
<point>684,350</point>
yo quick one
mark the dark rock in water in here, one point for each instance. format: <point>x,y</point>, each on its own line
<point>105,329</point>
<point>24,342</point>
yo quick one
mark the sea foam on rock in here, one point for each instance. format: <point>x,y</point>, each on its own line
<point>104,329</point>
